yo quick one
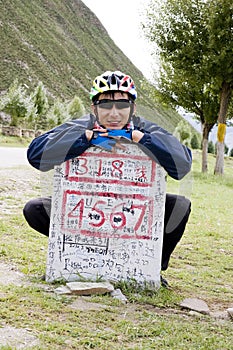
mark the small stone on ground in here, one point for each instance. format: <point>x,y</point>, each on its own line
<point>195,304</point>
<point>85,288</point>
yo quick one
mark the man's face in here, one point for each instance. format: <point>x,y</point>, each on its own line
<point>113,115</point>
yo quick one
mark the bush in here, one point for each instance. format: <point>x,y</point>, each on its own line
<point>211,148</point>
<point>195,143</point>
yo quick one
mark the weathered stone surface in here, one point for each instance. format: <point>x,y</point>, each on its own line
<point>220,315</point>
<point>18,338</point>
<point>62,290</point>
<point>230,311</point>
<point>83,304</point>
<point>103,240</point>
<point>89,288</point>
<point>10,275</point>
<point>117,294</point>
<point>195,304</point>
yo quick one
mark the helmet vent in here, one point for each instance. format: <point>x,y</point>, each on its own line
<point>113,79</point>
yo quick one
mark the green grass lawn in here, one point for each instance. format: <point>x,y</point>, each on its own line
<point>13,141</point>
<point>201,267</point>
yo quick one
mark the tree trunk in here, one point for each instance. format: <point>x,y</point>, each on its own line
<point>219,164</point>
<point>206,128</point>
<point>224,103</point>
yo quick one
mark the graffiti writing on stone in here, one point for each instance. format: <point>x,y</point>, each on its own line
<point>107,217</point>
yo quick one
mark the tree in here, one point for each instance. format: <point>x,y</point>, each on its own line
<point>17,103</point>
<point>57,114</point>
<point>220,63</point>
<point>76,108</point>
<point>226,149</point>
<point>40,102</point>
<point>195,143</point>
<point>184,33</point>
<point>183,132</point>
<point>211,147</point>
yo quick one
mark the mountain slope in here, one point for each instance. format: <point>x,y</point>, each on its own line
<point>64,45</point>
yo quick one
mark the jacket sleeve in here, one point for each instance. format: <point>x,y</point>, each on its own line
<point>165,148</point>
<point>60,144</point>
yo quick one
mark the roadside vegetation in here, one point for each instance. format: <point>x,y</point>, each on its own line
<point>64,46</point>
<point>201,267</point>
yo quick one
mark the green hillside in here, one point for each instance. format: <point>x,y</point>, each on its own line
<point>64,45</point>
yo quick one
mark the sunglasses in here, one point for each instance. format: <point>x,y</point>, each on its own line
<point>108,104</point>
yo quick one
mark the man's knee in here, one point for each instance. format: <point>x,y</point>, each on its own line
<point>30,209</point>
<point>37,214</point>
<point>177,211</point>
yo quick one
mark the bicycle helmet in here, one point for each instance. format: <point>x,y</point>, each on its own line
<point>113,81</point>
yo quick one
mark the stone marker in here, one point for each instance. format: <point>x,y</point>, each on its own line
<point>107,218</point>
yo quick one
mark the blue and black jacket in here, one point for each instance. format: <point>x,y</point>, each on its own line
<point>68,141</point>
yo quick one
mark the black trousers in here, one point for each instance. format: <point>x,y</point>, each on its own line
<point>177,210</point>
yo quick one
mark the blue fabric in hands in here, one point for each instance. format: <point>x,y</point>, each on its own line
<point>120,133</point>
<point>103,142</point>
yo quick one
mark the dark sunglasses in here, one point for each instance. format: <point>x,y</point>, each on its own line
<point>108,104</point>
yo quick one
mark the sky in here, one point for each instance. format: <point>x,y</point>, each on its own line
<point>122,19</point>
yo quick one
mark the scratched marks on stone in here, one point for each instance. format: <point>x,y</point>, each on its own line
<point>107,217</point>
<point>134,170</point>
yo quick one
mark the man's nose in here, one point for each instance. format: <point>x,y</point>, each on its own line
<point>114,110</point>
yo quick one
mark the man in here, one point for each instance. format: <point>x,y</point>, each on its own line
<point>113,96</point>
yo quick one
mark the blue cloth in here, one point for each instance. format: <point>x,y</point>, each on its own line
<point>103,142</point>
<point>120,133</point>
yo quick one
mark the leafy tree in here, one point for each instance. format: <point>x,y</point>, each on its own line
<point>184,32</point>
<point>40,102</point>
<point>183,132</point>
<point>17,103</point>
<point>195,143</point>
<point>220,64</point>
<point>57,114</point>
<point>226,149</point>
<point>211,147</point>
<point>76,108</point>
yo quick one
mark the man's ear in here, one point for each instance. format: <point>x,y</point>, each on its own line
<point>134,108</point>
<point>93,109</point>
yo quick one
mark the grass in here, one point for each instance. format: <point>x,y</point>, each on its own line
<point>13,141</point>
<point>201,267</point>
